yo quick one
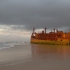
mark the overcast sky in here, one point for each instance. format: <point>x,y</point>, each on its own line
<point>20,16</point>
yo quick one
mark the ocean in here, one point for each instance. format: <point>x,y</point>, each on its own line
<point>25,56</point>
<point>4,45</point>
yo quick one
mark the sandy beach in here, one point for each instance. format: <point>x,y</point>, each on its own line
<point>14,55</point>
<point>28,57</point>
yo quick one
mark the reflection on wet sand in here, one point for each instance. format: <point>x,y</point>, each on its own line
<point>36,57</point>
<point>60,51</point>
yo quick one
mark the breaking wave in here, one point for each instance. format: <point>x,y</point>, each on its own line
<point>4,45</point>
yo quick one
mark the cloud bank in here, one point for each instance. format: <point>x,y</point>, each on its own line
<point>26,14</point>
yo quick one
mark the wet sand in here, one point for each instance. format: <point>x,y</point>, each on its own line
<point>35,57</point>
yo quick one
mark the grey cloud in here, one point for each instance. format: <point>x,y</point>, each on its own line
<point>17,27</point>
<point>35,13</point>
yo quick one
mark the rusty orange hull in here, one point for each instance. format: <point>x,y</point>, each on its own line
<point>47,42</point>
<point>52,38</point>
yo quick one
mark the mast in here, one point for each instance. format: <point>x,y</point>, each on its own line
<point>33,29</point>
<point>45,29</point>
<point>54,30</point>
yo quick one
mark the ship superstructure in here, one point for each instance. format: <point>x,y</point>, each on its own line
<point>55,37</point>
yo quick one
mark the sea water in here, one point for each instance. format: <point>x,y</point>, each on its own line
<point>4,45</point>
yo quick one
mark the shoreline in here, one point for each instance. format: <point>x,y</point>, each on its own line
<point>14,55</point>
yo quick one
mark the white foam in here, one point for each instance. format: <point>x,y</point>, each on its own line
<point>4,45</point>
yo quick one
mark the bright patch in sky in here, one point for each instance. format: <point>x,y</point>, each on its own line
<point>6,33</point>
